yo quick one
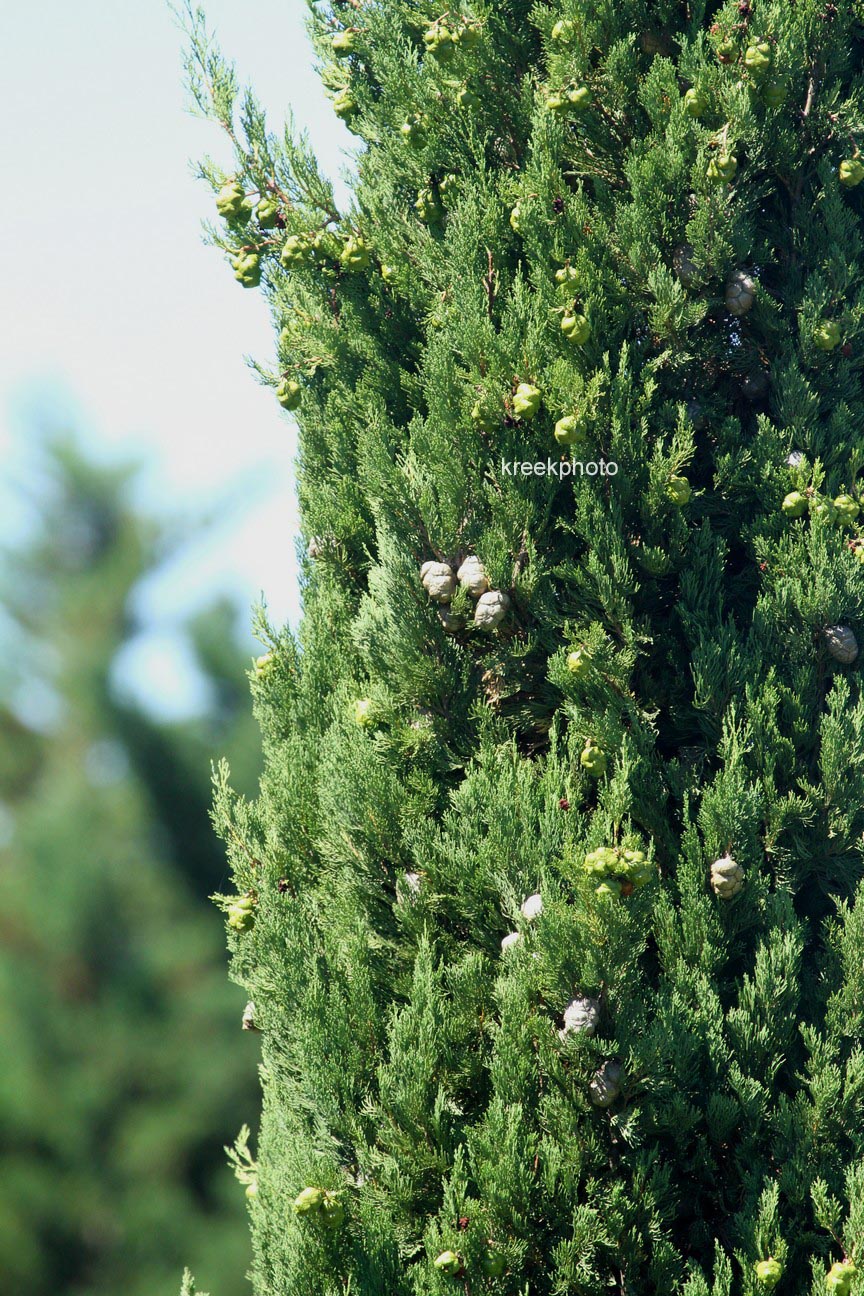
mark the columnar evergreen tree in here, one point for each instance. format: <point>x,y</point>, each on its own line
<point>550,905</point>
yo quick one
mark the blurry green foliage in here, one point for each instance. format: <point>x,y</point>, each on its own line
<point>124,1067</point>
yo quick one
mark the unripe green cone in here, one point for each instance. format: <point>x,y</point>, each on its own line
<point>827,335</point>
<point>636,868</point>
<point>332,1211</point>
<point>578,662</point>
<point>241,914</point>
<point>838,1280</point>
<point>355,254</point>
<point>678,490</point>
<point>768,1273</point>
<point>413,133</point>
<point>570,430</point>
<point>593,759</point>
<point>847,509</point>
<point>440,42</point>
<point>823,510</point>
<point>758,59</point>
<point>296,251</point>
<point>267,211</point>
<point>851,172</point>
<point>344,105</point>
<point>428,207</point>
<point>482,418</point>
<point>579,98</point>
<point>325,246</point>
<point>526,401</point>
<point>231,201</point>
<point>344,43</point>
<point>309,1201</point>
<point>364,713</point>
<point>575,328</point>
<point>247,269</point>
<point>289,394</point>
<point>774,93</point>
<point>467,36</point>
<point>601,861</point>
<point>722,168</point>
<point>794,505</point>
<point>449,1262</point>
<point>621,871</point>
<point>264,665</point>
<point>695,103</point>
<point>444,49</point>
<point>493,1264</point>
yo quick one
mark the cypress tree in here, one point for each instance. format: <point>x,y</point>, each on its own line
<point>550,905</point>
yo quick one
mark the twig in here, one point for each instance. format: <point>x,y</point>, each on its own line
<point>489,284</point>
<point>811,90</point>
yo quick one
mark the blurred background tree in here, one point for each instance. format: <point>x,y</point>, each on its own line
<point>125,1069</point>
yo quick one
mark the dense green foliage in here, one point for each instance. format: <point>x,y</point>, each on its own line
<point>625,235</point>
<point>124,1067</point>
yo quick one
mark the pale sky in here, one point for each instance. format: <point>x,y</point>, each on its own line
<point>113,309</point>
